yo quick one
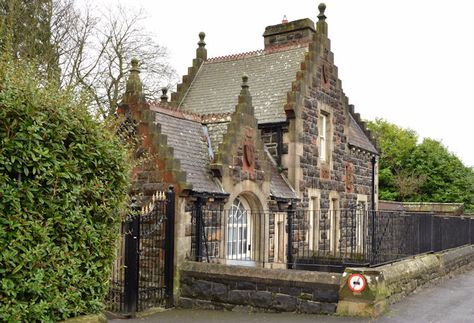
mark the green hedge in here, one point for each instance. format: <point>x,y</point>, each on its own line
<point>63,182</point>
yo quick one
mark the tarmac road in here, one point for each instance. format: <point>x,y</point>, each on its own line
<point>451,301</point>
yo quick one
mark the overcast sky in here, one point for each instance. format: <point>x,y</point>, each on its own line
<point>410,62</point>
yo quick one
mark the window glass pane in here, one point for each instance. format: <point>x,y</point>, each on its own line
<point>237,227</point>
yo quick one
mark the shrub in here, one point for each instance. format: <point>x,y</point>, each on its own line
<point>63,182</point>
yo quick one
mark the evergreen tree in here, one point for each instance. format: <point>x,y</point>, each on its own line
<point>26,33</point>
<point>425,172</point>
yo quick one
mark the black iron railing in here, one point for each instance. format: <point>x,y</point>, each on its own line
<point>325,240</point>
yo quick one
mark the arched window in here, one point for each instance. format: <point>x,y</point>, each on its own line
<point>238,231</point>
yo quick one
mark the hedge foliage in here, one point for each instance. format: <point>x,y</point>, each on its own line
<point>63,182</point>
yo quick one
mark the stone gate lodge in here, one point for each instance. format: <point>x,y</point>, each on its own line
<point>272,184</point>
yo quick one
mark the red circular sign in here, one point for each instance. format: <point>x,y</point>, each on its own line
<point>356,282</point>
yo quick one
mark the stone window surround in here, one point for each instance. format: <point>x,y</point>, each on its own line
<point>334,227</point>
<point>328,112</point>
<point>256,198</point>
<point>314,197</point>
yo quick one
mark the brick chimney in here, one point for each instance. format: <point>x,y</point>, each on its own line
<point>289,32</point>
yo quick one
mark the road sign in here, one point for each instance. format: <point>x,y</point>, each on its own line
<point>356,282</point>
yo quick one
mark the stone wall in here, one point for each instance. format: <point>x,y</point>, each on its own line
<point>212,286</point>
<point>332,175</point>
<point>390,283</point>
<point>346,174</point>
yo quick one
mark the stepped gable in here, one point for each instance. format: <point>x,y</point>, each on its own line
<point>185,137</point>
<point>215,86</point>
<point>280,74</point>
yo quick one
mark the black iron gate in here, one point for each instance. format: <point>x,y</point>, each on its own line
<point>142,275</point>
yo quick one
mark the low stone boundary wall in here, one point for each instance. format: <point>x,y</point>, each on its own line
<point>237,288</point>
<point>388,284</point>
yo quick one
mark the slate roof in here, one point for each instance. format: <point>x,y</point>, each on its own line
<point>216,85</point>
<point>358,138</point>
<point>190,147</point>
<point>279,187</point>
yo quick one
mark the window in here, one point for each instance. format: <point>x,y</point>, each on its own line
<point>324,136</point>
<point>334,224</point>
<point>238,232</point>
<point>312,238</point>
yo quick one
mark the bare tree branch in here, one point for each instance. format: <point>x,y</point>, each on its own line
<point>94,50</point>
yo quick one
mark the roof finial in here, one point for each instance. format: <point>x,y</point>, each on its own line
<point>245,79</point>
<point>164,97</point>
<point>285,20</point>
<point>322,8</point>
<point>201,52</point>
<point>201,42</point>
<point>321,25</point>
<point>245,99</point>
<point>134,84</point>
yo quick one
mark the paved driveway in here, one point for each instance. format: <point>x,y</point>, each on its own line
<point>450,301</point>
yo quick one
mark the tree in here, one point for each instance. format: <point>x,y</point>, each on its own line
<point>419,172</point>
<point>408,183</point>
<point>25,30</point>
<point>397,145</point>
<point>89,50</point>
<point>104,45</point>
<point>446,178</point>
<point>63,183</point>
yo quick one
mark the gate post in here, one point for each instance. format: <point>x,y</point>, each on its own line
<point>289,251</point>
<point>198,229</point>
<point>131,260</point>
<point>169,246</point>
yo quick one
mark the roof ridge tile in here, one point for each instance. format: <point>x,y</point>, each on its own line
<point>159,107</point>
<point>271,50</point>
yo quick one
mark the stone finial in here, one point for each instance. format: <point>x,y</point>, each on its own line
<point>134,84</point>
<point>164,97</point>
<point>245,86</point>
<point>134,63</point>
<point>285,20</point>
<point>245,96</point>
<point>322,8</point>
<point>201,51</point>
<point>321,25</point>
<point>201,42</point>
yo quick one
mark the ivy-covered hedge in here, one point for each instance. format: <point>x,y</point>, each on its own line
<point>63,182</point>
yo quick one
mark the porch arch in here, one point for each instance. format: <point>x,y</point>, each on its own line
<point>248,194</point>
